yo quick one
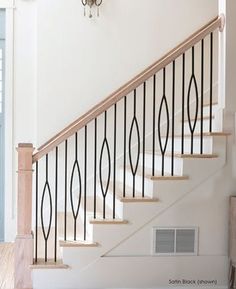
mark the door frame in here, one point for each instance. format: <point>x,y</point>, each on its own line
<point>9,151</point>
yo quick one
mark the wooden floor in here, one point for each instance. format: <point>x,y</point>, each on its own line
<point>6,265</point>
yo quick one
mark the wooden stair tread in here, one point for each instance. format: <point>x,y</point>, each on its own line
<point>158,175</point>
<point>208,103</point>
<point>197,156</point>
<point>205,134</point>
<point>50,264</point>
<point>167,177</point>
<point>199,118</point>
<point>187,156</point>
<point>87,244</point>
<point>100,221</point>
<point>138,200</point>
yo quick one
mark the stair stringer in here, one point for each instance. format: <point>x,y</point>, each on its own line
<point>109,236</point>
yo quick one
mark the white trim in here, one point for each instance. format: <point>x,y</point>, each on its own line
<point>195,253</point>
<point>9,150</point>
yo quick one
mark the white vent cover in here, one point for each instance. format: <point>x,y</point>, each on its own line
<point>175,241</point>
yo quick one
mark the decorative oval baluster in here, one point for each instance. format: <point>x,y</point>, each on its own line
<point>75,210</point>
<point>76,168</point>
<point>46,189</point>
<point>191,83</point>
<point>163,103</point>
<point>104,188</point>
<point>134,165</point>
<point>134,124</point>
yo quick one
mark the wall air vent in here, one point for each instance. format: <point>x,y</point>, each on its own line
<point>175,241</point>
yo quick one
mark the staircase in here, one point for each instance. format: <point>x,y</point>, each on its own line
<point>115,170</point>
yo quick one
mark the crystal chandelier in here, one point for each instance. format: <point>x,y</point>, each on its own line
<point>90,4</point>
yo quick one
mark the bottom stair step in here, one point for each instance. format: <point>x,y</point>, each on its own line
<point>197,156</point>
<point>50,264</point>
<point>138,200</point>
<point>78,244</point>
<point>108,221</point>
<point>167,177</point>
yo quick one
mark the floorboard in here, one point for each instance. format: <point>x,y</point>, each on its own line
<point>6,265</point>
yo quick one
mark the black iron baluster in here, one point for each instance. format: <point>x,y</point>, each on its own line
<point>95,169</point>
<point>56,188</point>
<point>124,170</point>
<point>211,79</point>
<point>134,168</point>
<point>105,145</point>
<point>46,234</point>
<point>65,216</point>
<point>163,102</point>
<point>85,179</point>
<point>192,80</point>
<point>173,120</point>
<point>75,166</point>
<point>144,123</point>
<point>154,125</point>
<point>114,170</point>
<point>202,93</point>
<point>183,98</point>
<point>36,214</point>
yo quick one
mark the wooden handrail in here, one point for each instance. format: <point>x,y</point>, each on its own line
<point>217,22</point>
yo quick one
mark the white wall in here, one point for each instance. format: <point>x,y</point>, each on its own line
<point>82,60</point>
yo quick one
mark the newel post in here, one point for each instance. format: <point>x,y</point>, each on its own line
<point>24,238</point>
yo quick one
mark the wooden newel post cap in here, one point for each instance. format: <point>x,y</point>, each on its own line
<point>25,152</point>
<point>25,145</point>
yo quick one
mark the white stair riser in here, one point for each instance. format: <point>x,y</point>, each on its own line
<point>118,204</point>
<point>206,111</point>
<point>148,183</point>
<point>207,145</point>
<point>206,125</point>
<point>178,164</point>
